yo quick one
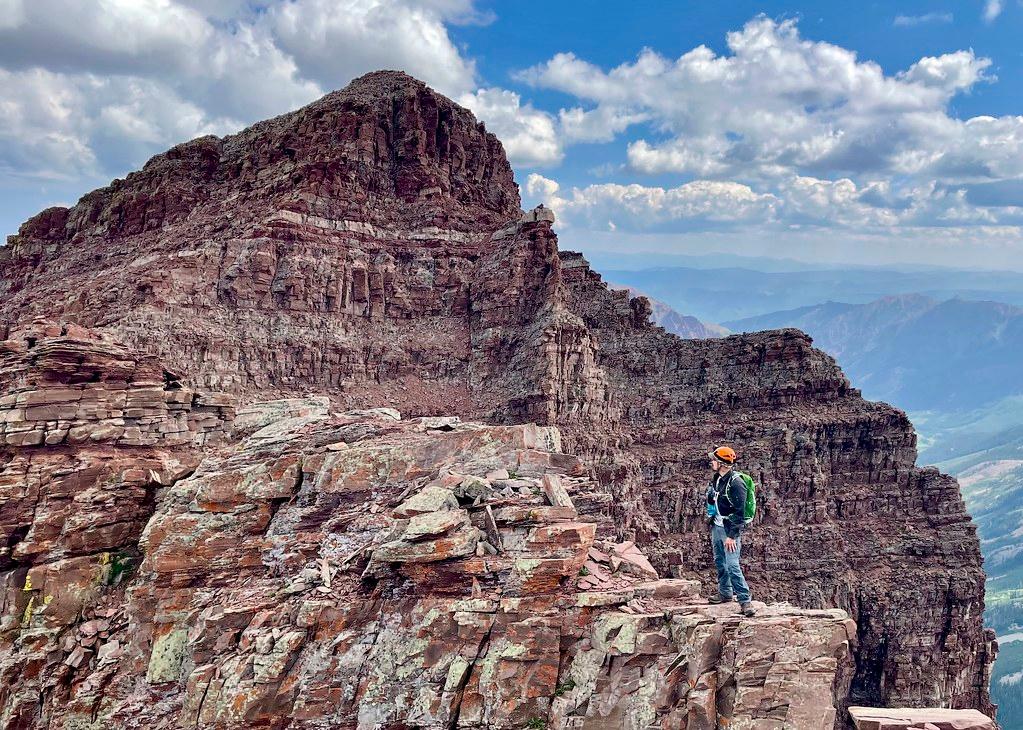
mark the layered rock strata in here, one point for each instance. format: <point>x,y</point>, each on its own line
<point>844,515</point>
<point>356,570</point>
<point>370,246</point>
<point>89,435</point>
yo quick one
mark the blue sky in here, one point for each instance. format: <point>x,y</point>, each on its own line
<point>829,132</point>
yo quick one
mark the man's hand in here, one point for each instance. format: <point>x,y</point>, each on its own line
<point>729,545</point>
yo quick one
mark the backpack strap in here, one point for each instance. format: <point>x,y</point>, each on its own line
<point>722,485</point>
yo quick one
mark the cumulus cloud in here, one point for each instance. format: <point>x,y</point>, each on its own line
<point>992,9</point>
<point>88,92</point>
<point>528,135</point>
<point>798,202</point>
<point>697,204</point>
<point>780,134</point>
<point>542,188</point>
<point>597,125</point>
<point>333,42</point>
<point>777,105</point>
<point>784,134</point>
<point>58,125</point>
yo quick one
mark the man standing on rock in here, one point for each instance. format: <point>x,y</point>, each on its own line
<point>726,500</point>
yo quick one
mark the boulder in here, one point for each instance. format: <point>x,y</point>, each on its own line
<point>429,499</point>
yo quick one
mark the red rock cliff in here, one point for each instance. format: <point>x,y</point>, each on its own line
<point>370,246</point>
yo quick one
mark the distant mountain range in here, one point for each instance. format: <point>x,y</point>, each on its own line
<point>913,350</point>
<point>726,294</point>
<point>682,325</point>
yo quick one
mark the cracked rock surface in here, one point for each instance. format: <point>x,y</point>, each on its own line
<point>421,576</point>
<point>367,255</point>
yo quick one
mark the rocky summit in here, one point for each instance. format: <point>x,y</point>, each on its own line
<point>312,426</point>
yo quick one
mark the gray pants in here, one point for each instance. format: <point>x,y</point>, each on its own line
<point>730,578</point>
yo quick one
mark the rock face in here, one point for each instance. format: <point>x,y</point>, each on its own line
<point>93,433</point>
<point>327,248</point>
<point>370,247</point>
<point>843,510</point>
<point>357,570</point>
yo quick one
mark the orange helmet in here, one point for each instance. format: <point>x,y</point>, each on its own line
<point>724,453</point>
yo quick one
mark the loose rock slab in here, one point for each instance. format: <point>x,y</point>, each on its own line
<point>911,718</point>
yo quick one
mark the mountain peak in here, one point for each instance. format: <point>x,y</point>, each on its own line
<point>385,83</point>
<point>385,149</point>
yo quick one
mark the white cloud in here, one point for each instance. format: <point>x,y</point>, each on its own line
<point>787,137</point>
<point>992,9</point>
<point>528,135</point>
<point>298,43</point>
<point>38,130</point>
<point>777,105</point>
<point>91,91</point>
<point>57,125</point>
<point>791,203</point>
<point>123,36</point>
<point>695,204</point>
<point>780,135</point>
<point>334,42</point>
<point>597,125</point>
<point>699,155</point>
<point>911,20</point>
<point>12,13</point>
<point>542,188</point>
<point>948,74</point>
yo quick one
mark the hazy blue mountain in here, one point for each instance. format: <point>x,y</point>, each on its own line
<point>961,440</point>
<point>1007,684</point>
<point>604,260</point>
<point>725,294</point>
<point>682,325</point>
<point>915,351</point>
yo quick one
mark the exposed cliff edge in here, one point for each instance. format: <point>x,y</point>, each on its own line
<point>348,569</point>
<point>370,247</point>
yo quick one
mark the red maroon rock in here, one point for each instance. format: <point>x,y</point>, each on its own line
<point>370,247</point>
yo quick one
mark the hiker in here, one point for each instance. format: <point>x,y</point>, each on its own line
<point>727,517</point>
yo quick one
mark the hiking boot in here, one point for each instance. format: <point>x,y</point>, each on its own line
<point>718,598</point>
<point>746,609</point>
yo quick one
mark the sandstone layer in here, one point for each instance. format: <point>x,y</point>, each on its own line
<point>357,570</point>
<point>370,247</point>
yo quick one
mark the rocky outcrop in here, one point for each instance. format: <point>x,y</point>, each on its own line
<point>67,386</point>
<point>685,326</point>
<point>90,433</point>
<point>370,247</point>
<point>843,510</point>
<point>331,248</point>
<point>359,570</point>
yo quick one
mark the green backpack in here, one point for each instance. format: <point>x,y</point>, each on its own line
<point>750,510</point>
